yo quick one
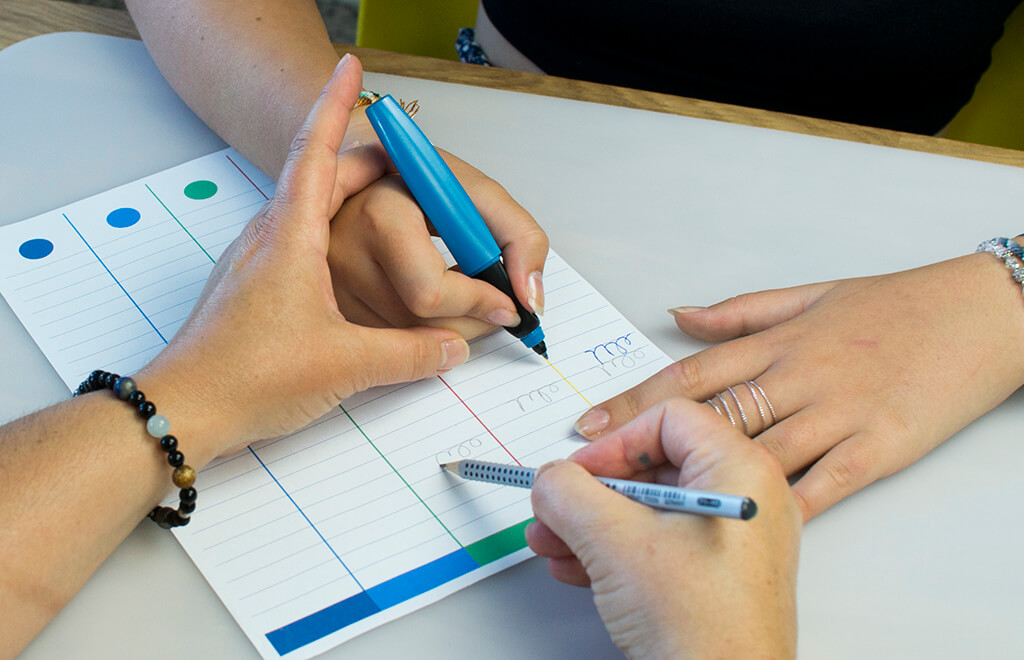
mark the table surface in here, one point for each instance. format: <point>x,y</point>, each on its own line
<point>932,576</point>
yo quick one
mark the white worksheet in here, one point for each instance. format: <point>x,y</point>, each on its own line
<point>313,538</point>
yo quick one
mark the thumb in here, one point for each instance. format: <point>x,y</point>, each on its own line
<point>589,517</point>
<point>397,355</point>
<point>748,313</point>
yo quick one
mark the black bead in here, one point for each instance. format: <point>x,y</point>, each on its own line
<point>188,494</point>
<point>168,443</point>
<point>136,397</point>
<point>147,409</point>
<point>187,507</point>
<point>109,379</point>
<point>176,458</point>
<point>95,377</point>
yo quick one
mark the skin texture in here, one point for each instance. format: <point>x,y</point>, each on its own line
<point>265,351</point>
<point>251,70</point>
<point>670,584</point>
<point>866,375</point>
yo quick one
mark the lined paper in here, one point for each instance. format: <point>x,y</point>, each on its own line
<point>313,538</point>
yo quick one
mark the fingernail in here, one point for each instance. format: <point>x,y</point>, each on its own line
<point>594,421</point>
<point>341,63</point>
<point>503,317</point>
<point>535,293</point>
<point>453,353</point>
<point>684,310</point>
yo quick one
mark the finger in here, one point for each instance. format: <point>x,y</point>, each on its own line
<point>748,313</point>
<point>582,512</point>
<point>544,542</point>
<point>696,377</point>
<point>843,470</point>
<point>805,435</point>
<point>394,355</point>
<point>310,171</point>
<point>428,289</point>
<point>524,245</point>
<point>359,165</point>
<point>570,571</point>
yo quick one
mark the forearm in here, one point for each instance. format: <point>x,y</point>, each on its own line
<point>251,69</point>
<point>75,479</point>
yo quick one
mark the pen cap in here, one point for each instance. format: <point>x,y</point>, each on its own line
<point>432,183</point>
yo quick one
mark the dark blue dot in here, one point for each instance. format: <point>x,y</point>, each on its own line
<point>36,248</point>
<point>122,218</point>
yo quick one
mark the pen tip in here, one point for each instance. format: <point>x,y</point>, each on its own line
<point>541,349</point>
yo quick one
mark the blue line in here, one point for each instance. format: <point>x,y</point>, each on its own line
<point>113,278</point>
<point>303,513</point>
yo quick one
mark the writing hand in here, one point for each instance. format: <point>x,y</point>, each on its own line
<point>387,272</point>
<point>669,584</point>
<point>865,375</point>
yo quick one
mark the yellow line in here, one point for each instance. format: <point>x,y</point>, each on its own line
<point>568,383</point>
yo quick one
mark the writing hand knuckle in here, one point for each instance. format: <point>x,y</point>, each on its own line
<point>426,299</point>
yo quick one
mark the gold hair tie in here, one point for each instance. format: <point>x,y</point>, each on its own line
<point>366,97</point>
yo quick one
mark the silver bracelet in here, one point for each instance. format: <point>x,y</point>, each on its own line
<point>1010,252</point>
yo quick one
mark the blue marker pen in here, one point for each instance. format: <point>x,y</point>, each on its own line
<point>449,208</point>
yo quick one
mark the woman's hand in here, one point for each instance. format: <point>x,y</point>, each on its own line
<point>387,272</point>
<point>670,584</point>
<point>865,376</point>
<point>266,349</point>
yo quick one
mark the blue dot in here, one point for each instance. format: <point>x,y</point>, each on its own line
<point>122,218</point>
<point>37,248</point>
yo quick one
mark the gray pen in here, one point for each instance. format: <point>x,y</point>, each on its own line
<point>669,498</point>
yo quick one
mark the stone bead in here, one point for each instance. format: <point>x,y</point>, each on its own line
<point>124,387</point>
<point>168,443</point>
<point>147,409</point>
<point>175,459</point>
<point>184,476</point>
<point>188,495</point>
<point>158,426</point>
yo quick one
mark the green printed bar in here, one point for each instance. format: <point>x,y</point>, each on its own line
<point>500,544</point>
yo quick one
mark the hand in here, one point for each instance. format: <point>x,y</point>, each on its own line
<point>671,584</point>
<point>266,350</point>
<point>865,375</point>
<point>387,272</point>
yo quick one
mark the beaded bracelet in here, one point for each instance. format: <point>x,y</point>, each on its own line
<point>158,427</point>
<point>1011,254</point>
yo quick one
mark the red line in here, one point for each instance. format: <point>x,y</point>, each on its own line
<point>480,420</point>
<point>247,177</point>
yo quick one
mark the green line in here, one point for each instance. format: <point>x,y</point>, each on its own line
<point>498,545</point>
<point>413,490</point>
<point>179,224</point>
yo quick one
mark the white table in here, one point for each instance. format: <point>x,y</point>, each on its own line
<point>657,211</point>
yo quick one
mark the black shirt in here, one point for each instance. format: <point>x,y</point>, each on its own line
<point>904,64</point>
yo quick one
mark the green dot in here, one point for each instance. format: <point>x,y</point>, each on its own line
<point>201,190</point>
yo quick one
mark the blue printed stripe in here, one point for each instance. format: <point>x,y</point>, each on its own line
<point>113,278</point>
<point>422,579</point>
<point>320,624</point>
<point>387,594</point>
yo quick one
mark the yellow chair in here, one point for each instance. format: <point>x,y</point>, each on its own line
<point>995,114</point>
<point>420,27</point>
